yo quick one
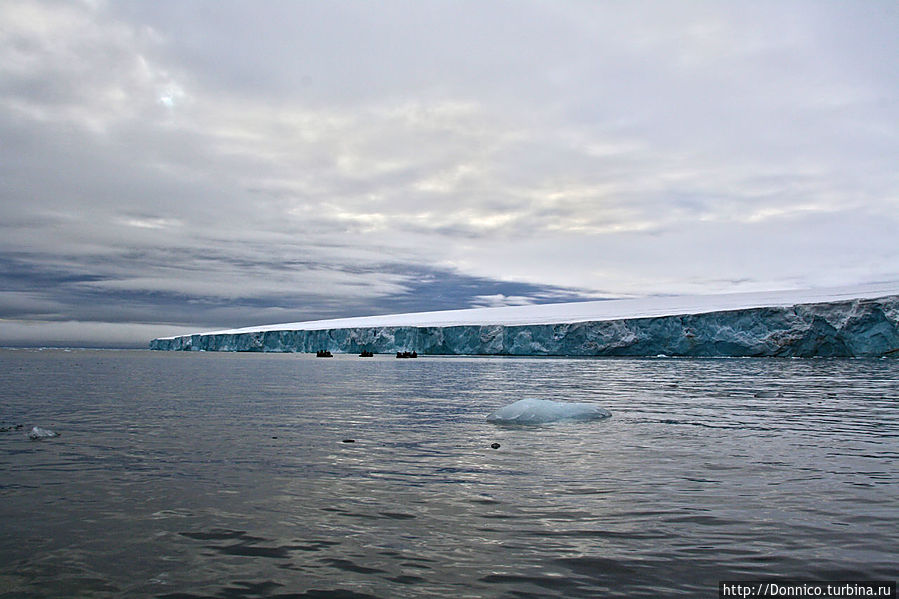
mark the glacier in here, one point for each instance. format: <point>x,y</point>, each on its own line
<point>543,411</point>
<point>829,323</point>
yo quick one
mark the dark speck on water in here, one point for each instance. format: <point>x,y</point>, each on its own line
<point>710,470</point>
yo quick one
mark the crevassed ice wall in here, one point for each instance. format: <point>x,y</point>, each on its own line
<point>856,328</point>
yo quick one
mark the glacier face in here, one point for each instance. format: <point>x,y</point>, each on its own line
<point>852,328</point>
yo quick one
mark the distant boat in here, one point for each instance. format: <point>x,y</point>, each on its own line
<point>405,354</point>
<point>323,353</point>
<point>366,354</point>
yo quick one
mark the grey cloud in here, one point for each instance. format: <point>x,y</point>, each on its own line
<point>235,164</point>
<point>57,295</point>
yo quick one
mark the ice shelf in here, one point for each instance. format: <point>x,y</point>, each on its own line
<point>827,322</point>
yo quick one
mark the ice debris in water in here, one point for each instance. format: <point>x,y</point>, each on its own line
<point>541,411</point>
<point>37,433</point>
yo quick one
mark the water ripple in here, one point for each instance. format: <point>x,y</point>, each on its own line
<point>226,476</point>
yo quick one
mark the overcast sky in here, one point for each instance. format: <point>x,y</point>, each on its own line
<point>176,166</point>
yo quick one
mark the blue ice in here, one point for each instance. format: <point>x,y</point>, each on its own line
<point>542,411</point>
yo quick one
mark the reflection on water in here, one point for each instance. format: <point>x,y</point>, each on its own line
<point>226,475</point>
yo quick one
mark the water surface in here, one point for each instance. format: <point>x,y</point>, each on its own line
<point>188,475</point>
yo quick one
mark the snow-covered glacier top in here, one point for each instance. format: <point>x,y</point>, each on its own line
<point>588,311</point>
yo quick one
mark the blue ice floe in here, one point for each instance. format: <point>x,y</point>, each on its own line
<point>542,411</point>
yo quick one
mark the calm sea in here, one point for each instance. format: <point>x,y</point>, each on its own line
<point>189,475</point>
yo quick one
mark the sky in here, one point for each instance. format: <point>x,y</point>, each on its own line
<point>175,166</point>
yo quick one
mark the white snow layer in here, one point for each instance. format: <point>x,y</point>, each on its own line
<point>588,311</point>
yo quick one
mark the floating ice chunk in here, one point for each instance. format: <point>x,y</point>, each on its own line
<point>541,411</point>
<point>38,433</point>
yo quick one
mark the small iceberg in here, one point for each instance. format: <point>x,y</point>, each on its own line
<point>542,411</point>
<point>38,433</point>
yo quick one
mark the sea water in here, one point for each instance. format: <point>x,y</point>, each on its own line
<point>189,475</point>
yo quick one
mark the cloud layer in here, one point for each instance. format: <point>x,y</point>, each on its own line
<point>187,164</point>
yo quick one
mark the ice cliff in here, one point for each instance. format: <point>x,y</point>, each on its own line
<point>841,327</point>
